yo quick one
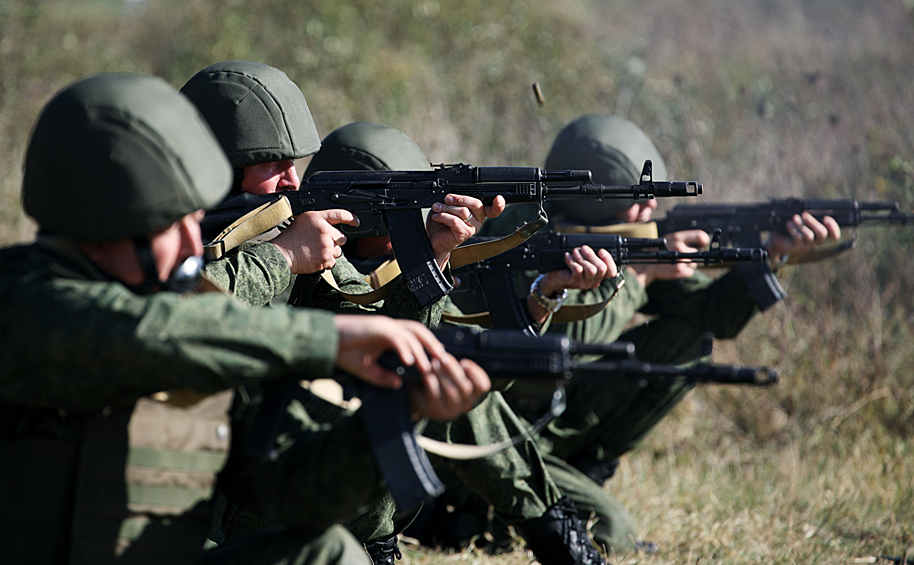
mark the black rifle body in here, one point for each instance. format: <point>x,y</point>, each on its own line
<point>545,252</point>
<point>505,355</point>
<point>742,224</point>
<point>699,373</point>
<point>391,202</point>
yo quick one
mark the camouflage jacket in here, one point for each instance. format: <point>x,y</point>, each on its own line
<point>258,274</point>
<point>81,353</point>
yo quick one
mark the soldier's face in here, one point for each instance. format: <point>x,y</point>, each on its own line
<point>174,244</point>
<point>170,246</point>
<point>267,178</point>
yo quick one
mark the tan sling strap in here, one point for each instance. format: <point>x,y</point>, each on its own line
<point>473,253</point>
<point>576,312</point>
<point>479,319</point>
<point>637,229</point>
<point>463,255</point>
<point>252,224</point>
<point>381,278</point>
<point>386,272</point>
<point>464,451</point>
<point>331,391</point>
<point>822,253</point>
<point>360,299</point>
<point>566,314</point>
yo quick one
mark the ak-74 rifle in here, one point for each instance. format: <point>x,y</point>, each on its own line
<point>392,202</point>
<point>742,224</point>
<point>508,355</point>
<point>545,251</point>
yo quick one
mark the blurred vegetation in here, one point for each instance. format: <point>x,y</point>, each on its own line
<point>755,99</point>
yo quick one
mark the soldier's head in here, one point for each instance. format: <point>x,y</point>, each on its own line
<point>367,146</point>
<point>614,150</point>
<point>261,119</point>
<point>123,165</point>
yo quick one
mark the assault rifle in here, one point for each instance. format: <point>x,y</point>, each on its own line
<point>392,202</point>
<point>544,252</point>
<point>508,354</point>
<point>742,224</point>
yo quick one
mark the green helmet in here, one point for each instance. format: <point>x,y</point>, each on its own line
<point>119,155</point>
<point>367,146</point>
<point>614,150</point>
<point>258,114</point>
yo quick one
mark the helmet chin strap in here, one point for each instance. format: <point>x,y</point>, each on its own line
<point>147,264</point>
<point>185,278</point>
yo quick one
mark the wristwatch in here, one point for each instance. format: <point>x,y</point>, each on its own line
<point>548,304</point>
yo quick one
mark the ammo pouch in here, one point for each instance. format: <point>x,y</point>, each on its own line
<point>130,483</point>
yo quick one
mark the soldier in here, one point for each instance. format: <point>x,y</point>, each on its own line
<point>115,387</point>
<point>602,422</point>
<point>514,480</point>
<point>263,122</point>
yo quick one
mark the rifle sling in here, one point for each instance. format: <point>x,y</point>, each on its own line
<point>380,278</point>
<point>331,391</point>
<point>638,229</point>
<point>360,299</point>
<point>466,254</point>
<point>478,319</point>
<point>465,452</point>
<point>252,224</point>
<point>566,314</point>
<point>386,272</point>
<point>822,253</point>
<point>576,312</point>
<point>463,255</point>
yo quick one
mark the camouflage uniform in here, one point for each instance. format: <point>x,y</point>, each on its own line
<point>97,462</point>
<point>259,116</point>
<point>606,418</point>
<point>258,275</point>
<point>514,481</point>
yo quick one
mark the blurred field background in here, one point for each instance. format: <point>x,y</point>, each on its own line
<point>755,99</point>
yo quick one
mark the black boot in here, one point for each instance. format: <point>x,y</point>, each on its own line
<point>558,538</point>
<point>384,551</point>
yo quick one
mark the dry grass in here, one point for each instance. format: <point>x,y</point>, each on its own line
<point>755,99</point>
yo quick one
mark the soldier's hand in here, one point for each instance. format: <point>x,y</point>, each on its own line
<point>806,233</point>
<point>363,339</point>
<point>452,388</point>
<point>447,389</point>
<point>686,241</point>
<point>456,220</point>
<point>586,270</point>
<point>312,243</point>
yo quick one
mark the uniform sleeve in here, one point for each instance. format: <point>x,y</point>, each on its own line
<point>83,345</point>
<point>686,311</point>
<point>607,325</point>
<point>324,471</point>
<point>254,275</point>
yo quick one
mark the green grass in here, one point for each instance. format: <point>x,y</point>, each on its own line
<point>755,99</point>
